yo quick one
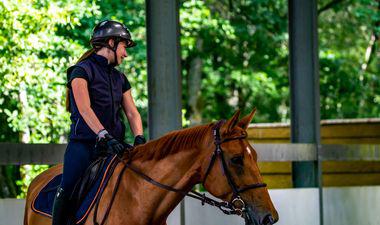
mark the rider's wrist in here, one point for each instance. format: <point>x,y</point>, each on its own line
<point>102,133</point>
<point>139,136</point>
<point>139,139</point>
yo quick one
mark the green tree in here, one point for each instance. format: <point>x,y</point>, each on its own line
<point>236,55</point>
<point>32,76</point>
<point>349,58</point>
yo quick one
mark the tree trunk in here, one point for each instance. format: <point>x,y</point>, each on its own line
<point>194,86</point>
<point>8,187</point>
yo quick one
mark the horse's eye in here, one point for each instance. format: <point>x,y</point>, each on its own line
<point>237,160</point>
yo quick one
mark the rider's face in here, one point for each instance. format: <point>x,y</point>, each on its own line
<point>121,52</point>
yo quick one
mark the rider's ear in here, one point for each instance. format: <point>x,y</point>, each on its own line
<point>231,123</point>
<point>111,42</point>
<point>245,121</point>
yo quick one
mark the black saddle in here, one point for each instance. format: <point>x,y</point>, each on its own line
<point>84,185</point>
<point>88,179</point>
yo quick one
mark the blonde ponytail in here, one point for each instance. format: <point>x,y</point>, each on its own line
<point>83,57</point>
<point>86,55</point>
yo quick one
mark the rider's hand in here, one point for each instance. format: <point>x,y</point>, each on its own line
<point>105,140</point>
<point>139,139</point>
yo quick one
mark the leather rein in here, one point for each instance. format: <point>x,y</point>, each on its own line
<point>235,206</point>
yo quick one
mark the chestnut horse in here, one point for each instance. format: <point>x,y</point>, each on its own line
<point>217,155</point>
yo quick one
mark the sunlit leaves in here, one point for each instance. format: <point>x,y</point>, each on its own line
<point>348,88</point>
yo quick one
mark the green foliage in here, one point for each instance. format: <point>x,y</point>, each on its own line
<point>348,89</point>
<point>34,60</point>
<point>29,172</point>
<point>8,188</point>
<point>244,57</point>
<point>32,73</point>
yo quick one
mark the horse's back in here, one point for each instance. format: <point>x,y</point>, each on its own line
<point>30,217</point>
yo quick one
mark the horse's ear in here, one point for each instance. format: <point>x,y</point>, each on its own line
<point>245,121</point>
<point>231,123</point>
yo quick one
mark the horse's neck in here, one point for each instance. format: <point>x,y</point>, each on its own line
<point>180,170</point>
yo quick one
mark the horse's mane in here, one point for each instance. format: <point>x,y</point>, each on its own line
<point>172,143</point>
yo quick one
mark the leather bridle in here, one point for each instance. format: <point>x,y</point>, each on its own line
<point>235,206</point>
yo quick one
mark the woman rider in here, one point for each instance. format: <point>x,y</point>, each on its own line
<point>96,94</point>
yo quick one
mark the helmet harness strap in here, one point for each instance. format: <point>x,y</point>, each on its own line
<point>98,44</point>
<point>114,48</point>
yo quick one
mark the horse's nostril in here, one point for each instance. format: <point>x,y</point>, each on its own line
<point>268,220</point>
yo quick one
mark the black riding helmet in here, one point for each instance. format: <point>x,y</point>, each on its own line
<point>109,29</point>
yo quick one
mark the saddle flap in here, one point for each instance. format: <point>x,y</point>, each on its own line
<point>85,183</point>
<point>84,196</point>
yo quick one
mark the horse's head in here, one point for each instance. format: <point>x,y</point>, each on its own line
<point>232,173</point>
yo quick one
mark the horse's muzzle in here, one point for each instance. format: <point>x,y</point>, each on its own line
<point>252,218</point>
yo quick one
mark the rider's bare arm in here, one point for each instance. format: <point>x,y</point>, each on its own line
<point>132,113</point>
<point>82,99</point>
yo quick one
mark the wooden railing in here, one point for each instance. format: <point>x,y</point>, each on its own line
<point>335,172</point>
<point>350,152</point>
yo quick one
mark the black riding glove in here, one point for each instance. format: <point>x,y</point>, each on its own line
<point>105,141</point>
<point>139,139</point>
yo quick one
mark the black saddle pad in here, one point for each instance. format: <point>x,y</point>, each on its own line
<point>43,203</point>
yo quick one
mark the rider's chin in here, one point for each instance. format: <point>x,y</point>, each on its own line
<point>254,217</point>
